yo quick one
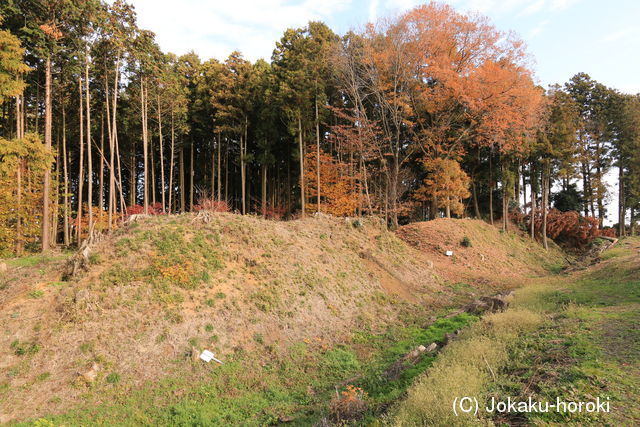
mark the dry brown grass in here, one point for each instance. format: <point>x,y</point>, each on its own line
<point>274,284</point>
<point>463,369</point>
<point>494,258</point>
<point>267,285</point>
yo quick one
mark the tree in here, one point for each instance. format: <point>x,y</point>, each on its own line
<point>593,99</point>
<point>568,199</point>
<point>21,159</point>
<point>339,192</point>
<point>300,64</point>
<point>405,119</point>
<point>447,183</point>
<point>12,66</point>
<point>230,98</point>
<point>625,127</point>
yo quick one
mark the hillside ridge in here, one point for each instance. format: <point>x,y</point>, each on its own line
<point>160,290</point>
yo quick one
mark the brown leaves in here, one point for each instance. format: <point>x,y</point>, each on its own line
<point>447,183</point>
<point>338,189</point>
<point>467,71</point>
<point>51,30</point>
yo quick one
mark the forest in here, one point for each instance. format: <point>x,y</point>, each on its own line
<point>429,114</point>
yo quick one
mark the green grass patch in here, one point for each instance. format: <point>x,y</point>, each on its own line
<point>35,294</point>
<point>590,350</point>
<point>581,343</point>
<point>25,348</point>
<point>33,260</point>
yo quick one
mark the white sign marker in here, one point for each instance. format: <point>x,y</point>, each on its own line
<point>207,356</point>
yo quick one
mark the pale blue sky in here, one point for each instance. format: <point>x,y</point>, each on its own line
<point>601,38</point>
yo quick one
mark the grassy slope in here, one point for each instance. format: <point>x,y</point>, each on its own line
<point>294,309</point>
<point>494,258</point>
<point>574,337</point>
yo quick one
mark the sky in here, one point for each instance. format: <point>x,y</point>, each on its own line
<point>601,38</point>
<point>565,37</point>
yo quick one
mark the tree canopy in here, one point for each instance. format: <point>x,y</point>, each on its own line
<point>431,113</point>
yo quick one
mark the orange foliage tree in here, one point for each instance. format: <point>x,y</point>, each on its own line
<point>447,183</point>
<point>470,84</point>
<point>23,162</point>
<point>471,79</point>
<point>339,195</point>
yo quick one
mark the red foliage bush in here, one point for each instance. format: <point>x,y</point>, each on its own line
<point>153,209</point>
<point>609,232</point>
<point>211,205</point>
<point>569,227</point>
<point>276,213</point>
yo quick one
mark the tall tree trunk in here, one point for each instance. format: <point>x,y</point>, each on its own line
<point>533,203</point>
<point>112,144</point>
<point>182,198</point>
<point>476,207</point>
<point>317,153</point>
<point>123,206</point>
<point>145,148</point>
<point>47,173</point>
<point>80,167</point>
<point>263,197</point>
<point>88,132</point>
<point>191,173</point>
<point>517,186</point>
<point>19,134</point>
<point>491,186</point>
<point>101,182</point>
<point>289,183</point>
<point>110,166</point>
<point>621,205</point>
<point>19,247</point>
<point>393,190</point>
<point>213,169</point>
<point>591,195</point>
<point>19,116</point>
<point>133,175</point>
<point>243,170</point>
<point>524,190</point>
<point>226,171</point>
<point>301,151</point>
<point>545,195</point>
<point>505,193</point>
<point>386,202</point>
<point>171,161</point>
<point>66,237</point>
<point>585,187</point>
<point>365,181</point>
<point>219,170</point>
<point>505,206</point>
<point>161,156</point>
<point>56,196</point>
<point>152,184</point>
<point>599,196</point>
<point>36,106</point>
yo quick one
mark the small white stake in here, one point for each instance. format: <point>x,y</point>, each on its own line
<point>207,356</point>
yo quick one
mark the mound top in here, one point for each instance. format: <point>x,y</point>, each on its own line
<point>481,253</point>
